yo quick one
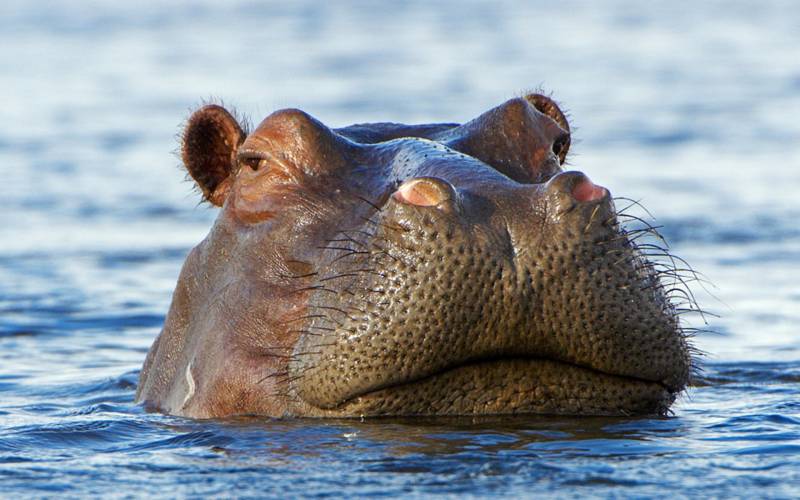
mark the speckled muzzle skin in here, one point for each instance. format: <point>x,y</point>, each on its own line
<point>386,269</point>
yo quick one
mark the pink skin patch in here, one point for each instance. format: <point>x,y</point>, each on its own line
<point>585,190</point>
<point>420,193</point>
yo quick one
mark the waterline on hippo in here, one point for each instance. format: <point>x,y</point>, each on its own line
<point>389,269</point>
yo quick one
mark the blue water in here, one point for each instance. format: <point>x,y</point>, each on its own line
<point>691,107</point>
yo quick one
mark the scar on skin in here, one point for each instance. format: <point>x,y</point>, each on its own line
<point>190,384</point>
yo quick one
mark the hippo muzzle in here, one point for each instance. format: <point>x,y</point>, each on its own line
<point>388,269</point>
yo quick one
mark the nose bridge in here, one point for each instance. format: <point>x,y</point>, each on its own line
<point>569,208</point>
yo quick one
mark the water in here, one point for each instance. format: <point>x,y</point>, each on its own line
<point>692,108</point>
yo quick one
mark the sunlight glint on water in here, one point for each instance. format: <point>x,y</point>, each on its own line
<point>691,108</point>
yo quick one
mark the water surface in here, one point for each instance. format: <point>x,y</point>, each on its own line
<point>690,108</point>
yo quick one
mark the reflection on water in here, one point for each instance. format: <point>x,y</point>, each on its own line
<point>691,108</point>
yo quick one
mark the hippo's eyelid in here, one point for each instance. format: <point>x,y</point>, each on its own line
<point>253,159</point>
<point>247,154</point>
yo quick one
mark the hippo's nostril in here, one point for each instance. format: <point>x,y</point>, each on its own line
<point>424,192</point>
<point>576,186</point>
<point>585,190</point>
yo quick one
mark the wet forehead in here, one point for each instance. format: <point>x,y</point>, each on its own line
<point>406,158</point>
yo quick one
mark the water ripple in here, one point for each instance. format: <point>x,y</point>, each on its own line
<point>689,106</point>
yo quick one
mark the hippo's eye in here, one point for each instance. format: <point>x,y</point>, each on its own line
<point>255,163</point>
<point>560,144</point>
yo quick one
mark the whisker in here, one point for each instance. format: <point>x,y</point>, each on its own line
<point>635,203</point>
<point>376,207</point>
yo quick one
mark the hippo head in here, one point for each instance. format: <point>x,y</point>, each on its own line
<point>387,269</point>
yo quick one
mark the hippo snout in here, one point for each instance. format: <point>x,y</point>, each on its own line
<point>453,300</point>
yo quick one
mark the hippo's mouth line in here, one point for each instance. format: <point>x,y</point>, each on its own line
<point>542,373</point>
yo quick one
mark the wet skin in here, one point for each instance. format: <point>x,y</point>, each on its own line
<point>387,269</point>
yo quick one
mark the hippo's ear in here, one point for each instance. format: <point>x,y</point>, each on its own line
<point>210,142</point>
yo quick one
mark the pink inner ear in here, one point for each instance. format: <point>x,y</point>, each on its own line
<point>419,193</point>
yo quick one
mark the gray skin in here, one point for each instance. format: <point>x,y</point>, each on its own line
<point>387,269</point>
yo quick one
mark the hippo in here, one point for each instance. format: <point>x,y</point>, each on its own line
<point>384,269</point>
